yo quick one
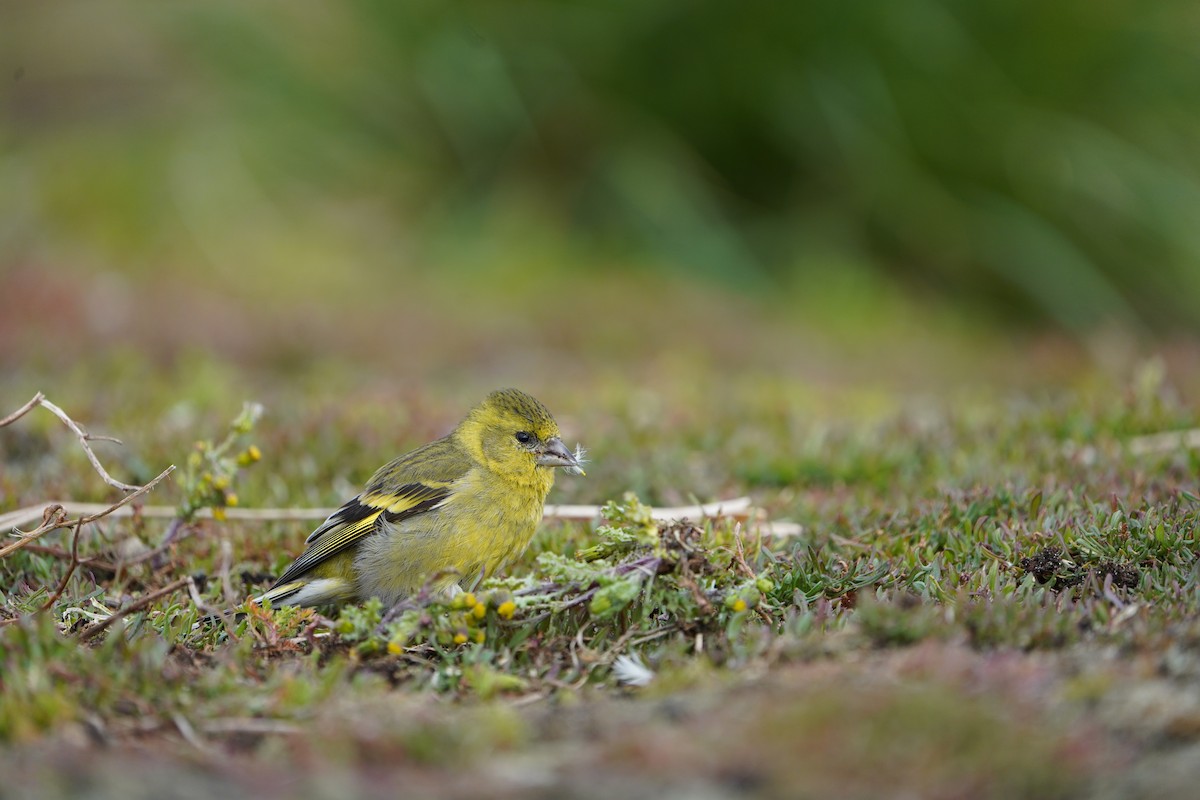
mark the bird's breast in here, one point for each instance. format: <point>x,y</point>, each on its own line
<point>482,525</point>
<point>491,521</point>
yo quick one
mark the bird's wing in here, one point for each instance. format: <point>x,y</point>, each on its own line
<point>431,471</point>
<point>360,518</point>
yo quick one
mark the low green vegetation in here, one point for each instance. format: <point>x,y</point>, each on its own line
<point>1045,540</point>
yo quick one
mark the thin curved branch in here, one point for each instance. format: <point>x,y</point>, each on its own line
<point>84,437</point>
<point>55,516</point>
<point>23,410</point>
<point>137,605</point>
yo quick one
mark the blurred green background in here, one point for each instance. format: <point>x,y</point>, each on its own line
<point>435,187</point>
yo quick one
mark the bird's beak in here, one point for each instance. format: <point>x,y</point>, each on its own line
<point>556,454</point>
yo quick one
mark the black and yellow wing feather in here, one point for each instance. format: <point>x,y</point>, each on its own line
<point>413,484</point>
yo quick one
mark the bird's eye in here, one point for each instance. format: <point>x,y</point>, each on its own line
<point>524,437</point>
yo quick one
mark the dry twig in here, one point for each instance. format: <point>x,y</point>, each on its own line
<point>56,515</point>
<point>1165,442</point>
<point>137,605</point>
<point>84,437</point>
<point>739,553</point>
<point>23,410</point>
<point>737,508</point>
<point>249,725</point>
<point>62,585</point>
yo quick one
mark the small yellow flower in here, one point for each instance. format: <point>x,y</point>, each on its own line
<point>739,605</point>
<point>220,482</point>
<point>480,636</point>
<point>468,600</point>
<point>219,514</point>
<point>460,637</point>
<point>231,499</point>
<point>394,648</point>
<point>479,610</point>
<point>507,609</point>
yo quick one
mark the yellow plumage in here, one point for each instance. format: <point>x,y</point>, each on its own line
<point>453,511</point>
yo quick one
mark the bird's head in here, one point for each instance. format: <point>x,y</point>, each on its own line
<point>515,436</point>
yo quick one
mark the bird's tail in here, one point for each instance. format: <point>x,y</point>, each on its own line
<point>308,592</point>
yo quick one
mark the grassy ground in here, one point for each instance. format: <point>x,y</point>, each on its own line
<point>992,592</point>
<point>811,261</point>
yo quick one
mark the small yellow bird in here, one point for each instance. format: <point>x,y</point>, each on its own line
<point>457,509</point>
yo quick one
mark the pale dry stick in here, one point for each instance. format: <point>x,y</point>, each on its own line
<point>198,601</point>
<point>210,611</point>
<point>22,516</point>
<point>527,699</point>
<point>781,529</point>
<point>59,521</point>
<point>739,553</point>
<point>84,437</point>
<point>1165,442</point>
<point>737,508</point>
<point>137,605</point>
<point>55,517</point>
<point>23,410</point>
<point>1148,444</point>
<point>62,585</point>
<point>249,725</point>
